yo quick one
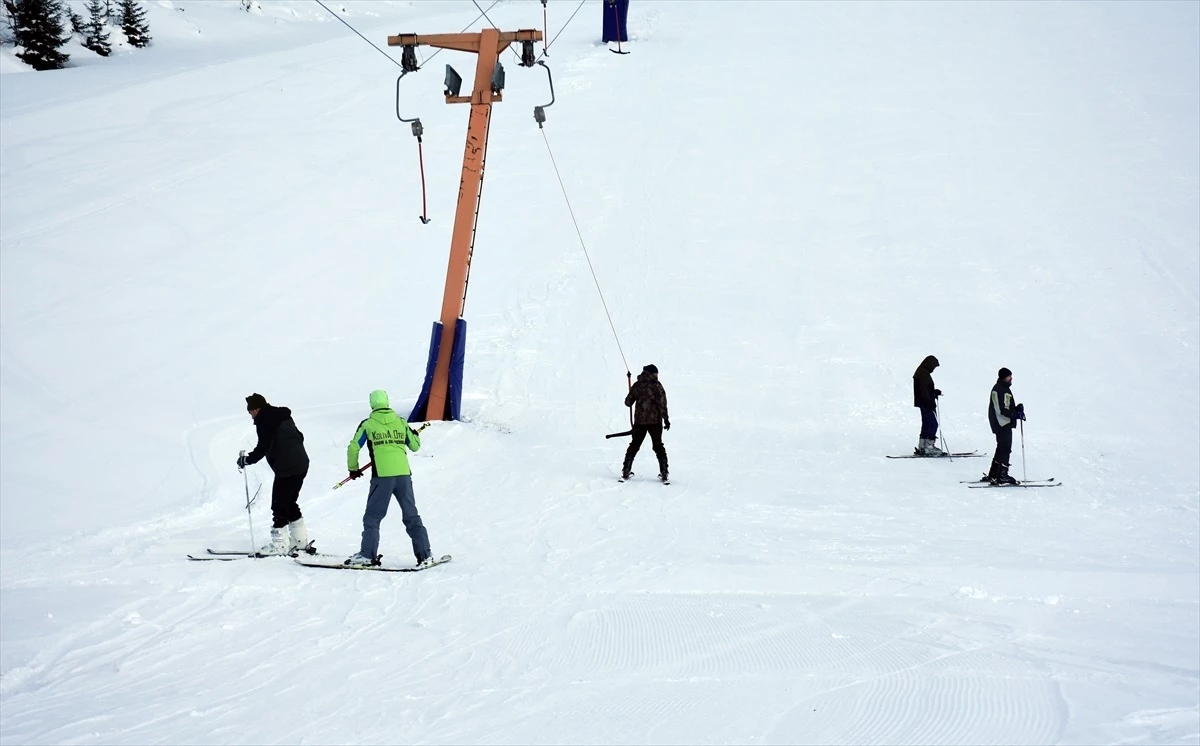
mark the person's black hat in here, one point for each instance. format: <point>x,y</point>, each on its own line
<point>651,368</point>
<point>1004,373</point>
<point>255,401</point>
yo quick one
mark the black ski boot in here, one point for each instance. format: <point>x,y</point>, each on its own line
<point>1004,478</point>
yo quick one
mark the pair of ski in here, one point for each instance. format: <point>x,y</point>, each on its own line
<point>631,474</point>
<point>964,454</point>
<point>226,555</point>
<point>333,563</point>
<point>976,484</point>
<point>310,558</point>
<point>981,483</point>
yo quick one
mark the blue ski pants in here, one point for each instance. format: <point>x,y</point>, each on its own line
<point>929,423</point>
<point>382,490</point>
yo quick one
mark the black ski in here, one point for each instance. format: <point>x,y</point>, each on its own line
<point>984,480</point>
<point>336,564</point>
<point>964,454</point>
<point>1029,483</point>
<point>660,478</point>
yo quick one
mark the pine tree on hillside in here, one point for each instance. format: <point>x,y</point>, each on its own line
<point>38,33</point>
<point>8,25</point>
<point>133,23</point>
<point>75,19</point>
<point>95,34</point>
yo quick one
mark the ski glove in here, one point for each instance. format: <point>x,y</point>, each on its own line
<point>937,393</point>
<point>666,424</point>
<point>1020,413</point>
<point>356,474</point>
<point>242,462</point>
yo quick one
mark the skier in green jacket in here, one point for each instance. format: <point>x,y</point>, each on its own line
<point>388,439</point>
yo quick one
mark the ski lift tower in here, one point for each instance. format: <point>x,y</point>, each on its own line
<point>441,394</point>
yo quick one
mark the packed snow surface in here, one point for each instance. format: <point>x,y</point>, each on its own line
<point>785,207</point>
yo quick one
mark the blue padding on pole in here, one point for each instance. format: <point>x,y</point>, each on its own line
<point>615,27</point>
<point>458,358</point>
<point>418,412</point>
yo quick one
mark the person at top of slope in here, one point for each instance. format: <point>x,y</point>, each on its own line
<point>282,444</point>
<point>925,397</point>
<point>1003,416</point>
<point>650,417</point>
<point>388,438</point>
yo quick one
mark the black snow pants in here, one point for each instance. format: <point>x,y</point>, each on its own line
<point>639,436</point>
<point>285,497</point>
<point>1003,452</point>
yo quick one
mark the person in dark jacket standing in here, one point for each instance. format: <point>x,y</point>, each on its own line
<point>650,417</point>
<point>925,398</point>
<point>282,444</point>
<point>1003,416</point>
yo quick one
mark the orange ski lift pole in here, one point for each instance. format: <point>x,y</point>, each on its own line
<point>539,112</point>
<point>408,63</point>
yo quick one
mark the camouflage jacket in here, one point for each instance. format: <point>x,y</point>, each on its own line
<point>651,401</point>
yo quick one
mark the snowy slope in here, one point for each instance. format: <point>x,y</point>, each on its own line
<point>786,206</point>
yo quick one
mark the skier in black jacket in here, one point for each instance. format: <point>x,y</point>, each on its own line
<point>925,398</point>
<point>282,444</point>
<point>1003,416</point>
<point>650,417</point>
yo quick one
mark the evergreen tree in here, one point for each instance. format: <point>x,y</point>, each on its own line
<point>133,23</point>
<point>38,32</point>
<point>8,25</point>
<point>95,32</point>
<point>75,19</point>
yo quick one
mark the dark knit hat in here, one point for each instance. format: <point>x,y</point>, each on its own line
<point>1004,373</point>
<point>255,401</point>
<point>651,368</point>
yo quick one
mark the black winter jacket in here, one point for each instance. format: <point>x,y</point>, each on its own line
<point>280,441</point>
<point>651,400</point>
<point>924,393</point>
<point>1001,407</point>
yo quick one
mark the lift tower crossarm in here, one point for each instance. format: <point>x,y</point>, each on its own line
<point>462,42</point>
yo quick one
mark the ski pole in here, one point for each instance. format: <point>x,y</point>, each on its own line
<point>368,464</point>
<point>249,502</point>
<point>937,408</point>
<point>1024,474</point>
<point>629,387</point>
<point>347,479</point>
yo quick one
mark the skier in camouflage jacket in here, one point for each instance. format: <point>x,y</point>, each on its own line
<point>650,417</point>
